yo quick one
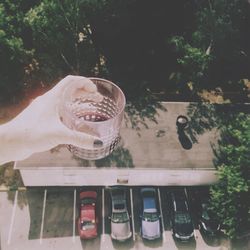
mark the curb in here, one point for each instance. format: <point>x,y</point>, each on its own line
<point>6,189</point>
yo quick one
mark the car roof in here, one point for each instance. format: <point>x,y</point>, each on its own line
<point>149,203</point>
<point>179,201</point>
<point>118,193</point>
<point>87,213</point>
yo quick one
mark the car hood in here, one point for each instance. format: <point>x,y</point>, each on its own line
<point>89,233</point>
<point>184,229</point>
<point>120,230</point>
<point>150,229</point>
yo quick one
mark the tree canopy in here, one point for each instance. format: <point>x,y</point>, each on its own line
<point>230,197</point>
<point>182,47</point>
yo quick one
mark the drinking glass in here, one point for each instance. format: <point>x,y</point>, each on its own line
<point>98,114</point>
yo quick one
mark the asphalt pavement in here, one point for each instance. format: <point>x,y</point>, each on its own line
<point>45,218</point>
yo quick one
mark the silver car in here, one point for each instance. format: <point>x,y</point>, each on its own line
<point>150,219</point>
<point>120,219</point>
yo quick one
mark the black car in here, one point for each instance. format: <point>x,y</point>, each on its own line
<point>208,223</point>
<point>182,225</point>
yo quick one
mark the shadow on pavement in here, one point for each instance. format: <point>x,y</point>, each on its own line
<point>212,241</point>
<point>189,245</point>
<point>205,117</point>
<point>120,157</point>
<point>142,106</point>
<point>58,214</point>
<point>22,198</point>
<point>153,243</point>
<point>184,139</point>
<point>128,244</point>
<point>93,244</point>
<point>35,202</point>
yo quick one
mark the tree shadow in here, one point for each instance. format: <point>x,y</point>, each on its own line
<point>120,158</point>
<point>35,198</point>
<point>12,179</point>
<point>59,211</point>
<point>212,240</point>
<point>142,105</point>
<point>21,198</point>
<point>204,117</point>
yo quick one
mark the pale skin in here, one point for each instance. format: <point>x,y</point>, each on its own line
<point>39,128</point>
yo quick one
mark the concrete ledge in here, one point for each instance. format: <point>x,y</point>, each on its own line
<point>7,188</point>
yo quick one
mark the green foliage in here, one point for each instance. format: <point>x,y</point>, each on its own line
<point>230,197</point>
<point>193,61</point>
<point>141,108</point>
<point>215,53</point>
<point>63,37</point>
<point>14,55</point>
<point>43,40</point>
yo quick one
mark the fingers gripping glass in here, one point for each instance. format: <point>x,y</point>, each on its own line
<point>98,114</point>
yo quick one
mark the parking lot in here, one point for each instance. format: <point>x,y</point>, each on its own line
<point>45,218</point>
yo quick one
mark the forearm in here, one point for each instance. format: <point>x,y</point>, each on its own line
<point>12,146</point>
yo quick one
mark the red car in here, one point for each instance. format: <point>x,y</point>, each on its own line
<point>87,222</point>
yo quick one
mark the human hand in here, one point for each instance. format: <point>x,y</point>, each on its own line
<point>39,127</point>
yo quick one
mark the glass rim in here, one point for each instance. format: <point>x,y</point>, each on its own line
<point>121,110</point>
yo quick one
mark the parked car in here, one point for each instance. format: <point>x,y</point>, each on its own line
<point>120,219</point>
<point>182,225</point>
<point>150,219</point>
<point>87,222</point>
<point>208,223</point>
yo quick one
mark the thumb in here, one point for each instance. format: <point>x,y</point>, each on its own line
<point>81,139</point>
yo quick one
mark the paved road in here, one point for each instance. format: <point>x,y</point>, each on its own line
<point>46,219</point>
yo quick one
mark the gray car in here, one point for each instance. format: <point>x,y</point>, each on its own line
<point>150,219</point>
<point>120,219</point>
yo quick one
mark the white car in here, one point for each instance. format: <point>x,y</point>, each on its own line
<point>120,219</point>
<point>150,219</point>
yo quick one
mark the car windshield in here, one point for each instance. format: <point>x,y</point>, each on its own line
<point>205,215</point>
<point>151,217</point>
<point>85,225</point>
<point>87,201</point>
<point>182,218</point>
<point>119,206</point>
<point>120,217</point>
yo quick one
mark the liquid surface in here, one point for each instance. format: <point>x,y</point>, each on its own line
<point>94,117</point>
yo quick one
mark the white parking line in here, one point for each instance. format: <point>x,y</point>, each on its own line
<point>188,202</point>
<point>132,213</point>
<point>12,217</point>
<point>43,214</point>
<point>195,234</point>
<point>103,212</point>
<point>74,217</point>
<point>185,190</point>
<point>162,222</point>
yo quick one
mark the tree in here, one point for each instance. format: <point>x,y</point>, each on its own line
<point>193,61</point>
<point>230,197</point>
<point>63,38</point>
<point>216,52</point>
<point>14,55</point>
